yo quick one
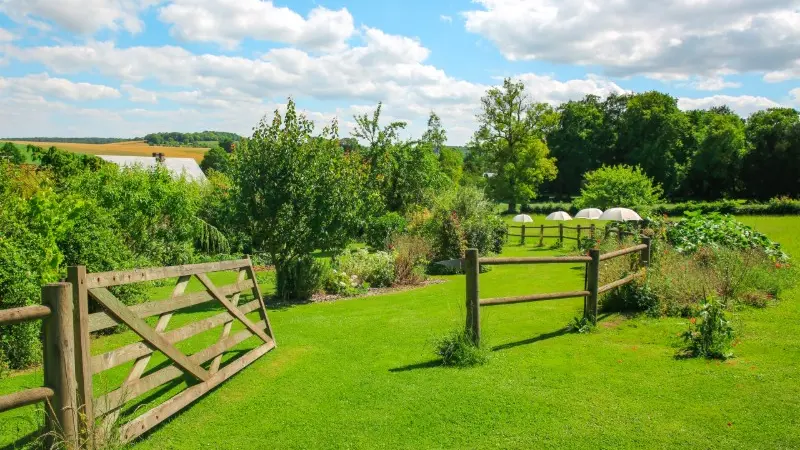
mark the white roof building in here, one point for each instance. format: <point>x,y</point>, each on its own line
<point>176,166</point>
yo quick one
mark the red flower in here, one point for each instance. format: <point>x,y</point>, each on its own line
<point>693,320</point>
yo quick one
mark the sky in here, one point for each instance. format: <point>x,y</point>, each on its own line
<point>125,68</point>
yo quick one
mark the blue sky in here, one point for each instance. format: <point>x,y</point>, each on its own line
<point>129,67</point>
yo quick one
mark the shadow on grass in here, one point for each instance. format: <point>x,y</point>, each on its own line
<point>424,365</point>
<point>28,441</point>
<point>532,340</point>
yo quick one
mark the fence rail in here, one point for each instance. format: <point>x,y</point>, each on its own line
<point>524,229</point>
<point>590,293</point>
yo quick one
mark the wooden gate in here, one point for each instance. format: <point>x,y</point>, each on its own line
<point>202,367</point>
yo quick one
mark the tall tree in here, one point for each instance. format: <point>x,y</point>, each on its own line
<point>510,137</point>
<point>772,166</point>
<point>653,137</point>
<point>719,137</point>
<point>435,135</point>
<point>12,153</point>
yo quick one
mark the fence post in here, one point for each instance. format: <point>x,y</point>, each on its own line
<point>541,235</point>
<point>592,285</point>
<point>76,275</point>
<point>579,235</point>
<point>591,231</point>
<point>522,239</point>
<point>59,366</point>
<point>473,327</point>
<point>644,260</point>
<point>561,234</point>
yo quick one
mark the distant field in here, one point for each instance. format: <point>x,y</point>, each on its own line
<point>132,148</point>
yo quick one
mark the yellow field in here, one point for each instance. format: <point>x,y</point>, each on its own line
<point>132,148</point>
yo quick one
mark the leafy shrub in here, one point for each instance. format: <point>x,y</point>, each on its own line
<point>615,186</point>
<point>412,255</point>
<point>377,268</point>
<point>580,325</point>
<point>717,230</point>
<point>449,241</point>
<point>340,283</point>
<point>300,278</point>
<point>483,228</point>
<point>456,349</point>
<point>713,336</point>
<point>381,229</point>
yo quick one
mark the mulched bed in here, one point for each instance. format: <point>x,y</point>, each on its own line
<point>319,298</point>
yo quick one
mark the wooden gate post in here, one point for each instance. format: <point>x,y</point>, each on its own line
<point>592,285</point>
<point>541,235</point>
<point>579,235</point>
<point>644,259</point>
<point>522,239</point>
<point>473,327</point>
<point>76,276</point>
<point>561,233</point>
<point>59,366</point>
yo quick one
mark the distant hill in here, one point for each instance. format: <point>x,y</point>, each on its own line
<point>200,139</point>
<point>79,140</point>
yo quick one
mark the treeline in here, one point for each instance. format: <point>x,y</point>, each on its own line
<point>699,154</point>
<point>190,139</point>
<point>81,140</point>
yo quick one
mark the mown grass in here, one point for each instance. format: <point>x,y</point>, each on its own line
<point>361,373</point>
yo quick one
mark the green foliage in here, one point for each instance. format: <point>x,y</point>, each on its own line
<point>377,269</point>
<point>12,153</point>
<point>718,230</point>
<point>617,186</point>
<point>717,162</point>
<point>456,349</point>
<point>580,325</point>
<point>64,164</point>
<point>338,282</point>
<point>510,139</point>
<point>216,159</point>
<point>298,279</point>
<point>190,139</point>
<point>770,167</point>
<point>412,256</point>
<point>713,336</point>
<point>296,192</point>
<point>381,229</point>
<point>451,163</point>
<point>449,240</point>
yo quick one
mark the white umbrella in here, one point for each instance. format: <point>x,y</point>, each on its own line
<point>589,213</point>
<point>558,215</point>
<point>524,218</point>
<point>620,215</point>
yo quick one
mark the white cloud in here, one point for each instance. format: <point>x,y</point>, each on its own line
<point>446,19</point>
<point>650,37</point>
<point>713,84</point>
<point>6,36</point>
<point>543,88</point>
<point>61,88</point>
<point>138,95</point>
<point>795,96</point>
<point>228,22</point>
<point>79,16</point>
<point>744,105</point>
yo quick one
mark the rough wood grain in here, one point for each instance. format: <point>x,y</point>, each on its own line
<point>622,252</point>
<point>23,314</point>
<point>140,327</point>
<point>24,398</point>
<point>115,278</point>
<point>76,275</point>
<point>618,283</point>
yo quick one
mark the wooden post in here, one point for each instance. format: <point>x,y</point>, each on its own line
<point>541,235</point>
<point>473,300</point>
<point>76,276</point>
<point>522,239</point>
<point>592,285</point>
<point>561,233</point>
<point>644,259</point>
<point>579,235</point>
<point>59,366</point>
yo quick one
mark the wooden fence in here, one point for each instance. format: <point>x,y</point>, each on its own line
<point>58,393</point>
<point>560,227</point>
<point>69,364</point>
<point>590,293</point>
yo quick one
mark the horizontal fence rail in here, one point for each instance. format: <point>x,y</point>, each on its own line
<point>590,293</point>
<point>23,314</point>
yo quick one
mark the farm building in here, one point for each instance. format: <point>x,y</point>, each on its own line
<point>176,166</point>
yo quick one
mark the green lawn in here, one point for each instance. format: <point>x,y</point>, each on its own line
<point>361,373</point>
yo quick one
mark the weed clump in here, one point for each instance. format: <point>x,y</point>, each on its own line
<point>457,350</point>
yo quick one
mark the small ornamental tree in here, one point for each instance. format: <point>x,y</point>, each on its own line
<point>617,186</point>
<point>297,193</point>
<point>216,159</point>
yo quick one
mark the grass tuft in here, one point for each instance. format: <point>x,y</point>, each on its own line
<point>457,350</point>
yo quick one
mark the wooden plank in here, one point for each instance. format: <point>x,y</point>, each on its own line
<point>618,283</point>
<point>117,397</point>
<point>536,260</point>
<point>121,355</point>
<point>232,309</point>
<point>24,398</point>
<point>226,329</point>
<point>101,320</point>
<point>148,420</point>
<point>473,325</point>
<point>257,294</point>
<point>115,278</point>
<point>622,252</point>
<point>140,327</point>
<point>76,275</point>
<point>11,316</point>
<point>532,298</point>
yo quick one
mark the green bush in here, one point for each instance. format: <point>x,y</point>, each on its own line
<point>377,268</point>
<point>412,255</point>
<point>717,230</point>
<point>299,279</point>
<point>456,349</point>
<point>449,240</point>
<point>340,283</point>
<point>381,229</point>
<point>618,186</point>
<point>713,336</point>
